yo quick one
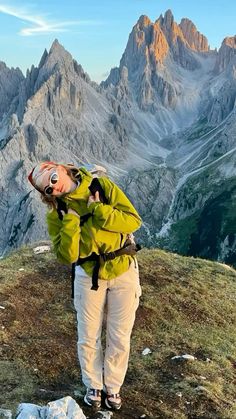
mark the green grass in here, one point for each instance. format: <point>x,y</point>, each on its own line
<point>188,305</point>
<point>203,230</point>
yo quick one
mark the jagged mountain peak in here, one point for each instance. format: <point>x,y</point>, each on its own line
<point>151,46</point>
<point>57,48</point>
<point>227,54</point>
<point>57,59</point>
<point>56,44</point>
<point>10,80</point>
<point>4,67</point>
<point>144,21</point>
<point>58,54</point>
<point>194,38</point>
<point>56,63</point>
<point>185,22</point>
<point>168,19</point>
<point>43,58</point>
<point>185,33</point>
<point>230,41</point>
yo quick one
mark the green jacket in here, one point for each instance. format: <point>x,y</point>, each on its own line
<point>105,231</point>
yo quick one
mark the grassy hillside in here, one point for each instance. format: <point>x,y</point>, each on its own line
<point>188,306</point>
<point>204,228</point>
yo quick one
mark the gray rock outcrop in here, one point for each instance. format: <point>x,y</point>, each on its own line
<point>227,54</point>
<point>10,80</point>
<point>194,38</point>
<point>65,408</point>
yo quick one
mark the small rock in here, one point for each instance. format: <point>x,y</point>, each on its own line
<point>202,377</point>
<point>201,388</point>
<point>2,308</point>
<point>142,416</point>
<point>146,351</point>
<point>188,357</point>
<point>185,357</point>
<point>55,409</point>
<point>29,411</point>
<point>21,269</point>
<point>3,327</point>
<point>41,249</point>
<point>208,360</point>
<point>179,394</point>
<point>187,402</point>
<point>104,414</point>
<point>5,414</point>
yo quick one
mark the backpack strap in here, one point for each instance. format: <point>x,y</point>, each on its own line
<point>61,207</point>
<point>129,248</point>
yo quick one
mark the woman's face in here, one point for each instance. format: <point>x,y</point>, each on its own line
<point>56,182</point>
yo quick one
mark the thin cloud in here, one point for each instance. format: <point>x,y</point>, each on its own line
<point>41,25</point>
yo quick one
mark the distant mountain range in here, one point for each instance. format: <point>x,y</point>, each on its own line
<point>163,123</point>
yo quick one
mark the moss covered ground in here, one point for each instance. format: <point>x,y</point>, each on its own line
<point>188,306</point>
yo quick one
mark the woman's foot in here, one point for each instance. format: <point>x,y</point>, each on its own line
<point>93,398</point>
<point>113,401</point>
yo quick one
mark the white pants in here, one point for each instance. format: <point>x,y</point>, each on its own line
<point>121,295</point>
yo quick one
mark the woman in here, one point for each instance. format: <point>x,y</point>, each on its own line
<point>91,230</point>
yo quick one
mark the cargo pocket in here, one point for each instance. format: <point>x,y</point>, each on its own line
<point>134,266</point>
<point>138,292</point>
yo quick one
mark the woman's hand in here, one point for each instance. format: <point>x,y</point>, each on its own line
<point>93,198</point>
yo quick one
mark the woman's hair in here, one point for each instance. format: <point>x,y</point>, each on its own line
<point>50,200</point>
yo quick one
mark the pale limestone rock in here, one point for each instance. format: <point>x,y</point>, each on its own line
<point>168,20</point>
<point>151,50</point>
<point>144,21</point>
<point>184,357</point>
<point>179,47</point>
<point>10,79</point>
<point>227,54</point>
<point>194,38</point>
<point>41,249</point>
<point>5,414</point>
<point>65,408</point>
<point>146,351</point>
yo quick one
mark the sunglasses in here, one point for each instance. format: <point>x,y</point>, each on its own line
<point>48,190</point>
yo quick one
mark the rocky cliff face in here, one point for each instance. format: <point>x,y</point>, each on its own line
<point>153,52</point>
<point>194,38</point>
<point>10,79</point>
<point>227,54</point>
<point>223,85</point>
<point>163,124</point>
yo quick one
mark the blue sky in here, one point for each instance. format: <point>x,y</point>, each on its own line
<point>96,32</point>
